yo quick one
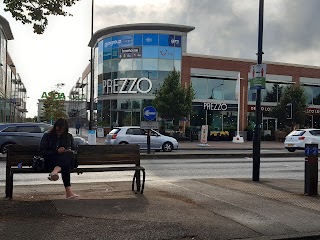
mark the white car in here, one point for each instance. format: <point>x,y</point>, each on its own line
<point>136,135</point>
<point>298,138</point>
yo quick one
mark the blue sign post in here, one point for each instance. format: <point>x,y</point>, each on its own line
<point>149,113</point>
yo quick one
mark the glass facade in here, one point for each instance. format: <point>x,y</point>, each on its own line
<point>215,104</point>
<point>128,70</point>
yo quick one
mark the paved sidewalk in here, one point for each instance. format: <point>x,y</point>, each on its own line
<point>181,209</point>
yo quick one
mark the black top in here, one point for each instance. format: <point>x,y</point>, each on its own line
<point>50,143</point>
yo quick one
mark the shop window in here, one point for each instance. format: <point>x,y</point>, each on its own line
<point>177,65</point>
<point>137,64</point>
<point>125,64</point>
<point>316,95</point>
<point>150,64</point>
<point>200,88</point>
<point>166,65</point>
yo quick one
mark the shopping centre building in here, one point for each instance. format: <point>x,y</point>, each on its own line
<point>131,61</point>
<point>13,94</point>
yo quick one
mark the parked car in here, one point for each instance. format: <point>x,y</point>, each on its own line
<point>136,135</point>
<point>298,138</point>
<point>26,134</point>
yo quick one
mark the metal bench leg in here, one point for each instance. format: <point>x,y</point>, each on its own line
<point>11,185</point>
<point>143,180</point>
<point>138,180</point>
<point>133,180</point>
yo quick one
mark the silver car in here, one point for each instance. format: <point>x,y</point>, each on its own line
<point>136,135</point>
<point>26,134</point>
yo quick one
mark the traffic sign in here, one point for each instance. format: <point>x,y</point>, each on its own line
<point>149,113</point>
<point>149,125</point>
<point>257,76</point>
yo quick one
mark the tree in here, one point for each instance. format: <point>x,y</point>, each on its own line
<point>295,96</point>
<point>53,107</point>
<point>36,11</point>
<point>173,101</point>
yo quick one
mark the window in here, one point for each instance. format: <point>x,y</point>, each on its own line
<point>28,129</point>
<point>150,64</point>
<point>135,131</point>
<point>166,65</point>
<point>9,129</point>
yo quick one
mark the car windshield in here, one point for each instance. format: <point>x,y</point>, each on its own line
<point>297,133</point>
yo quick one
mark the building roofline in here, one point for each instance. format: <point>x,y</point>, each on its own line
<point>6,28</point>
<point>138,26</point>
<point>248,60</point>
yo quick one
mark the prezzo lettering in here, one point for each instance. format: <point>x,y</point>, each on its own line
<point>126,85</point>
<point>215,106</point>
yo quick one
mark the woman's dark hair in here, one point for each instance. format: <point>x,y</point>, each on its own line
<point>60,123</point>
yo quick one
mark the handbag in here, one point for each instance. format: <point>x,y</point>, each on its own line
<point>38,164</point>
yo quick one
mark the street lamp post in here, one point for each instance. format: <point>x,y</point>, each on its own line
<point>91,73</point>
<point>11,97</point>
<point>257,132</point>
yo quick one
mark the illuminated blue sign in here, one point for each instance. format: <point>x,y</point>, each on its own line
<point>150,51</point>
<point>125,40</point>
<point>150,39</point>
<point>137,40</point>
<point>166,52</point>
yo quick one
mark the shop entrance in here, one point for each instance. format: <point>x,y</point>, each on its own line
<point>269,125</point>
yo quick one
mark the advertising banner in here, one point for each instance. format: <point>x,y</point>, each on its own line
<point>92,138</point>
<point>204,134</point>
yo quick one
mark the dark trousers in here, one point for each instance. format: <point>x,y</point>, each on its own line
<point>65,161</point>
<point>77,130</point>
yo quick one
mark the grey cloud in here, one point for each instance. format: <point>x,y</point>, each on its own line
<point>229,27</point>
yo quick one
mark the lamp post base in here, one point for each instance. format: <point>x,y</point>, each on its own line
<point>237,139</point>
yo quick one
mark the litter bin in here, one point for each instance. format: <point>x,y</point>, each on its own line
<point>194,135</point>
<point>311,169</point>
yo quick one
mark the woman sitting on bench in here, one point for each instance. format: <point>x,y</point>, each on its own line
<point>58,150</point>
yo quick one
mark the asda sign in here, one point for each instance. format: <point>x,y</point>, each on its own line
<point>55,95</point>
<point>127,85</point>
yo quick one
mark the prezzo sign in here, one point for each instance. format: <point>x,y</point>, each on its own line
<point>126,85</point>
<point>215,106</point>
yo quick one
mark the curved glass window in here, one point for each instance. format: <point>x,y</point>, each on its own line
<point>125,64</point>
<point>150,64</point>
<point>137,64</point>
<point>166,65</point>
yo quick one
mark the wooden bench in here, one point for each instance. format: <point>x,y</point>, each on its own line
<point>120,157</point>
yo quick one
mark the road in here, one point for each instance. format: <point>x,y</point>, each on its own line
<point>169,169</point>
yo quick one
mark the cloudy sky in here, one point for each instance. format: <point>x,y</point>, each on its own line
<point>226,28</point>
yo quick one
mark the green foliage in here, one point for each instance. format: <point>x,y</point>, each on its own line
<point>53,108</point>
<point>296,95</point>
<point>173,101</point>
<point>37,11</point>
<point>274,94</point>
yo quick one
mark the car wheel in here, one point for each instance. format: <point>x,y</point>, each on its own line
<point>123,143</point>
<point>291,149</point>
<point>5,146</point>
<point>167,147</point>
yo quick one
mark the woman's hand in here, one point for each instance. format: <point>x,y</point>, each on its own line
<point>61,150</point>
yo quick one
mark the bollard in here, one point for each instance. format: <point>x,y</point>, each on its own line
<point>311,169</point>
